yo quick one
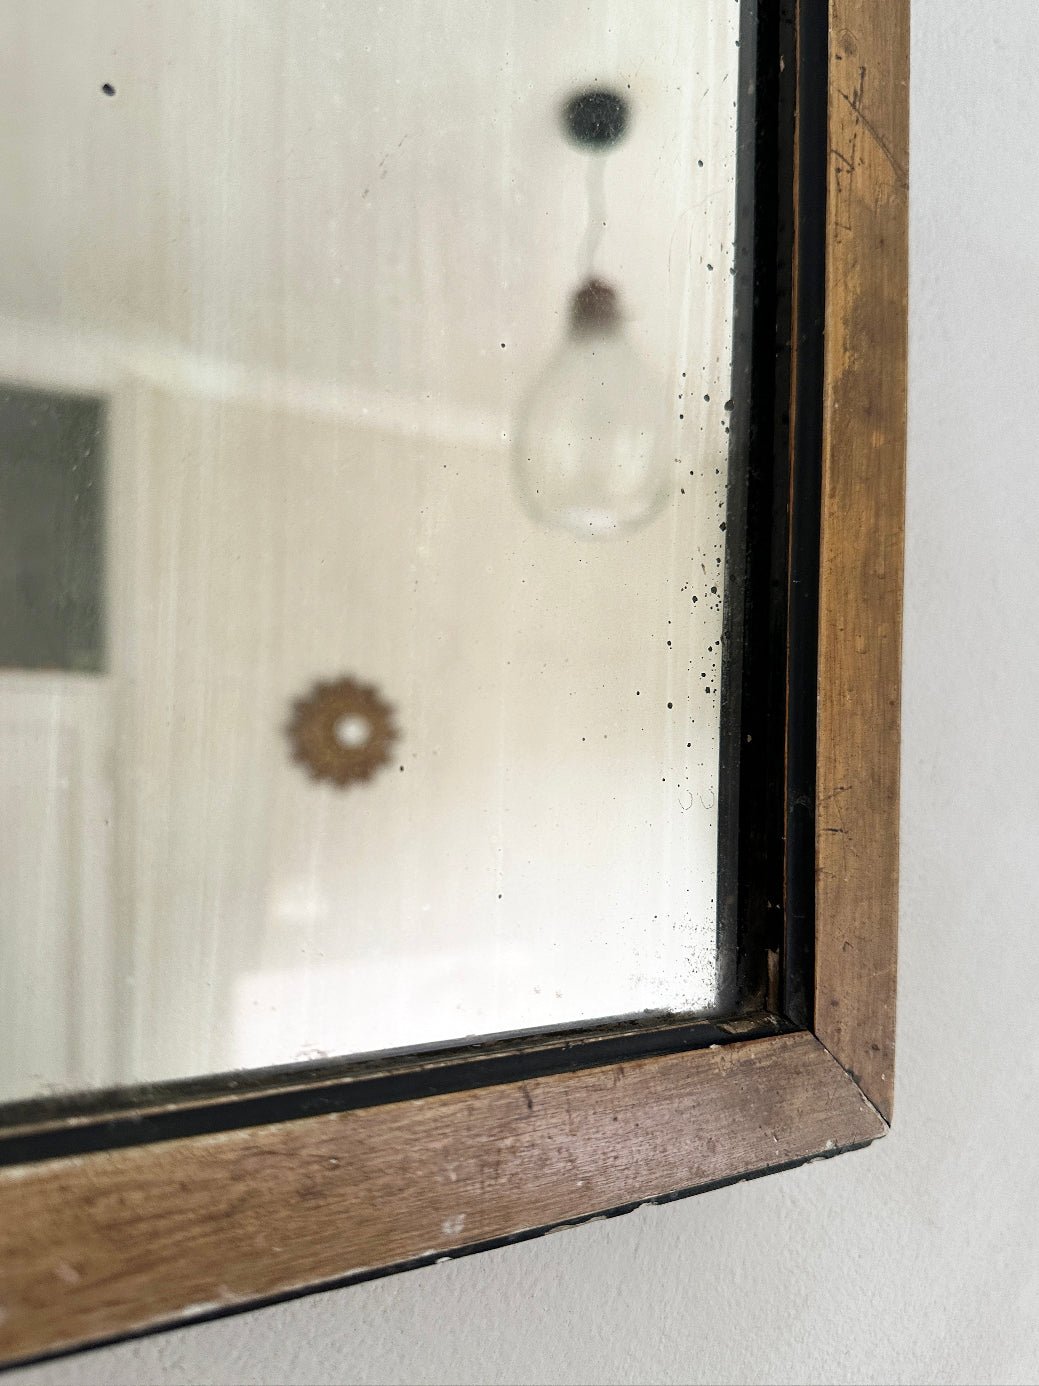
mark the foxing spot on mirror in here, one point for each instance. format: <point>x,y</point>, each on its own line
<point>369,428</point>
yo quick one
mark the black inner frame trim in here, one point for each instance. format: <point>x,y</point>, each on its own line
<point>760,753</point>
<point>742,944</point>
<point>808,64</point>
<point>162,1112</point>
<point>776,852</point>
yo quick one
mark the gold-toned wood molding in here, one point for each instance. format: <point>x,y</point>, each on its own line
<point>860,604</point>
<point>119,1240</point>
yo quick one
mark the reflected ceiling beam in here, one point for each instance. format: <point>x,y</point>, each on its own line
<point>46,356</point>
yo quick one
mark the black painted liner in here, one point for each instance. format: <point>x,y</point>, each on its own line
<point>224,1102</point>
<point>807,65</point>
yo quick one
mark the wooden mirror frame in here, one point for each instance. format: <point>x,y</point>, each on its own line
<point>129,1218</point>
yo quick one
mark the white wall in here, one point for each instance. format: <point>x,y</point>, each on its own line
<point>917,1260</point>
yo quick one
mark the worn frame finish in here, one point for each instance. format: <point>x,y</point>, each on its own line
<point>98,1242</point>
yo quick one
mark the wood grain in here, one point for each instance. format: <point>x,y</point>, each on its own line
<point>862,529</point>
<point>119,1240</point>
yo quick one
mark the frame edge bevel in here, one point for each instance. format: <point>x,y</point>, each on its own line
<point>860,604</point>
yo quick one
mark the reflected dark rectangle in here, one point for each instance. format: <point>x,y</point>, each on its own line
<point>51,531</point>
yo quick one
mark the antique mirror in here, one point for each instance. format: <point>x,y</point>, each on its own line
<point>450,465</point>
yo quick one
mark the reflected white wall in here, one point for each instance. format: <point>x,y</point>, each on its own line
<point>314,273</point>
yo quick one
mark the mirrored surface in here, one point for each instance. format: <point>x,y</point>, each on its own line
<point>366,437</point>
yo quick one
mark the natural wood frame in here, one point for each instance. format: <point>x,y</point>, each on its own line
<point>116,1241</point>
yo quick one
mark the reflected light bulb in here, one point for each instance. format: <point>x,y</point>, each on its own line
<point>589,452</point>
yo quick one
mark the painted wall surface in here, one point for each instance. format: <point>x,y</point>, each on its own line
<point>916,1260</point>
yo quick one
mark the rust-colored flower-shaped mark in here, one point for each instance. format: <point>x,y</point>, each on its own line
<point>341,731</point>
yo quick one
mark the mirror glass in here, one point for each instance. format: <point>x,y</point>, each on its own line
<point>365,430</point>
